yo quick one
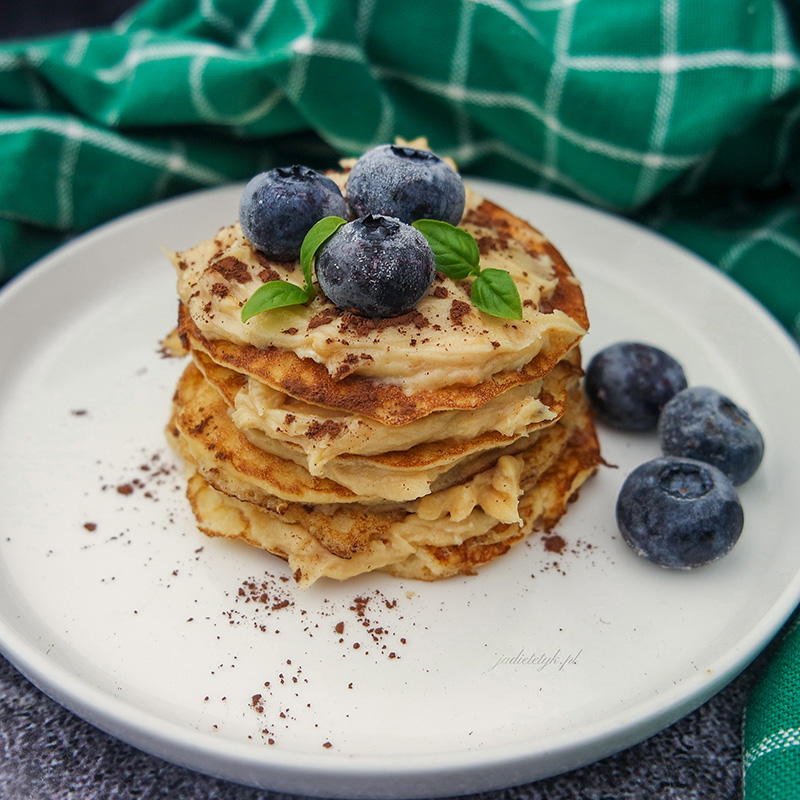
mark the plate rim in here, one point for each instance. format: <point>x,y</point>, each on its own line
<point>301,771</point>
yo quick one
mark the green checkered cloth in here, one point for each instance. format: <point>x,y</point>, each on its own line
<point>682,114</point>
<point>771,746</point>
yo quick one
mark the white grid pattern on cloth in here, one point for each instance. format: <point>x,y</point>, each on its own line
<point>67,161</point>
<point>176,158</point>
<point>554,90</point>
<point>135,151</point>
<point>216,19</point>
<point>499,147</point>
<point>685,62</point>
<point>246,38</point>
<point>665,102</point>
<point>653,159</point>
<point>142,52</point>
<point>33,56</point>
<point>509,11</point>
<point>548,5</point>
<point>668,64</point>
<point>780,740</point>
<point>77,48</point>
<point>459,69</point>
<point>308,46</point>
<point>347,51</point>
<point>768,232</point>
<point>513,100</point>
<point>205,109</point>
<point>781,75</point>
<point>386,122</point>
<point>783,151</point>
<point>365,12</point>
<point>298,72</point>
<point>329,48</point>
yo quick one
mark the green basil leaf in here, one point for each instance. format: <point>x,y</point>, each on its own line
<point>495,292</point>
<point>274,294</point>
<point>319,233</point>
<point>454,250</point>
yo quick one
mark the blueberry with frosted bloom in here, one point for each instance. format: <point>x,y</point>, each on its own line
<point>376,266</point>
<point>628,384</point>
<point>406,183</point>
<point>279,207</point>
<point>679,512</point>
<point>702,423</point>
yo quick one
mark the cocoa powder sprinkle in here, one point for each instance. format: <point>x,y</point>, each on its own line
<point>268,274</point>
<point>363,326</point>
<point>323,318</point>
<point>233,270</point>
<point>458,310</point>
<point>327,429</point>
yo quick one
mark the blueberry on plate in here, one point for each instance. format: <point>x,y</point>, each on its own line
<point>679,513</point>
<point>376,266</point>
<point>702,423</point>
<point>279,207</point>
<point>405,183</point>
<point>628,384</point>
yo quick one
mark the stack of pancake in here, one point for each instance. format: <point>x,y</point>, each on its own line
<point>423,445</point>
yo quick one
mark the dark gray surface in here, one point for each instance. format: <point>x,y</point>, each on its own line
<point>22,18</point>
<point>50,754</point>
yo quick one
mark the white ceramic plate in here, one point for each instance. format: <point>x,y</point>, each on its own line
<point>201,652</point>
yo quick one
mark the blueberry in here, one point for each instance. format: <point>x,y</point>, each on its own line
<point>679,513</point>
<point>278,208</point>
<point>407,184</point>
<point>628,384</point>
<point>701,423</point>
<point>376,266</point>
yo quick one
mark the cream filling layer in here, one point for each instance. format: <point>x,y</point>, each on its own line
<point>325,434</point>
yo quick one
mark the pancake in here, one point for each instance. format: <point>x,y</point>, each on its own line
<point>307,380</point>
<point>336,445</point>
<point>444,355</point>
<point>398,540</point>
<point>422,445</point>
<point>227,457</point>
<point>325,433</point>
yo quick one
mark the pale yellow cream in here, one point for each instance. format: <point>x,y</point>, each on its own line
<point>325,434</point>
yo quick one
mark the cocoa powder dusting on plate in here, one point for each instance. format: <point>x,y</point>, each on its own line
<point>271,603</point>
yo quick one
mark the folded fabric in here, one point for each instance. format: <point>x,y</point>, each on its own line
<point>682,114</point>
<point>771,743</point>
